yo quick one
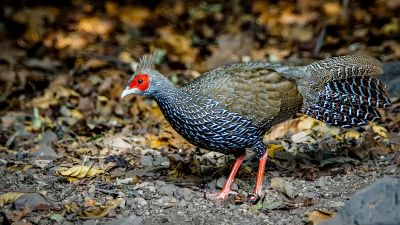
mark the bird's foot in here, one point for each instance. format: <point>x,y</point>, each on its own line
<point>255,197</point>
<point>221,195</point>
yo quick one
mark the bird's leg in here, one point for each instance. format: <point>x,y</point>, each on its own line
<point>227,186</point>
<point>260,174</point>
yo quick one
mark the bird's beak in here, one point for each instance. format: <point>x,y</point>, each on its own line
<point>129,91</point>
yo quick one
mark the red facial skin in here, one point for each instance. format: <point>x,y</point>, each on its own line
<point>141,82</point>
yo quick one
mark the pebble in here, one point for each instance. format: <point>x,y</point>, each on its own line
<point>46,152</point>
<point>141,201</point>
<point>185,193</point>
<point>33,201</point>
<point>323,182</point>
<point>162,161</point>
<point>48,137</point>
<point>221,182</point>
<point>167,190</point>
<point>146,161</point>
<point>129,220</point>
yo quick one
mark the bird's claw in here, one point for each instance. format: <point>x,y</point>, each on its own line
<point>222,195</point>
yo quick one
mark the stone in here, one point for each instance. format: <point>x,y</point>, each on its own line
<point>129,220</point>
<point>48,137</point>
<point>167,190</point>
<point>376,204</point>
<point>46,152</point>
<point>33,201</point>
<point>146,161</point>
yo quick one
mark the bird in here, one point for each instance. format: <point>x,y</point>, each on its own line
<point>230,108</point>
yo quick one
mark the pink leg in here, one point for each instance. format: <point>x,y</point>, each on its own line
<point>227,186</point>
<point>260,174</point>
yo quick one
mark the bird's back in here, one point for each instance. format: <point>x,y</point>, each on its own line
<point>253,90</point>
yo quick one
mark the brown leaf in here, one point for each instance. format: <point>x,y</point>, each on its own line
<point>318,216</point>
<point>177,44</point>
<point>95,25</point>
<point>99,211</point>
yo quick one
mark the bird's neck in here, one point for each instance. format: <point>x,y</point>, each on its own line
<point>166,94</point>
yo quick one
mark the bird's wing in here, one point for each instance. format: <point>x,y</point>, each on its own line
<point>254,90</point>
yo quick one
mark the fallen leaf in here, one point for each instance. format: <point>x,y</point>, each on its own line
<point>99,211</point>
<point>9,197</point>
<point>52,96</point>
<point>95,25</point>
<point>352,134</point>
<point>300,137</point>
<point>177,44</point>
<point>306,123</point>
<point>317,216</point>
<point>381,131</point>
<point>272,148</point>
<point>78,172</point>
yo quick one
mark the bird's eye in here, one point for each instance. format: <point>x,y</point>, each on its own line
<point>140,81</point>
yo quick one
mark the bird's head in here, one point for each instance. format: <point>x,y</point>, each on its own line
<point>145,81</point>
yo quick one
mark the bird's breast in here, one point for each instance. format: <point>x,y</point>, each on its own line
<point>207,125</point>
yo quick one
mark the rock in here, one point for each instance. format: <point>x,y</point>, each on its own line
<point>117,142</point>
<point>129,220</point>
<point>185,193</point>
<point>323,182</point>
<point>162,161</point>
<point>33,201</point>
<point>48,137</point>
<point>166,201</point>
<point>212,185</point>
<point>182,203</point>
<point>146,161</point>
<point>220,182</point>
<point>89,222</point>
<point>46,152</point>
<point>167,190</point>
<point>142,202</point>
<point>234,187</point>
<point>376,204</point>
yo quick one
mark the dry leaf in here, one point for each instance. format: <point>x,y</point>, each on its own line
<point>134,16</point>
<point>352,134</point>
<point>78,172</point>
<point>278,131</point>
<point>52,96</point>
<point>177,44</point>
<point>9,197</point>
<point>381,131</point>
<point>306,123</point>
<point>317,216</point>
<point>272,148</point>
<point>95,25</point>
<point>300,137</point>
<point>99,211</point>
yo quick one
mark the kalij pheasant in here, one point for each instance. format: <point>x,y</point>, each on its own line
<point>230,108</point>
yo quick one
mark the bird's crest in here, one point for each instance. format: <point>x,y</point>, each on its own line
<point>147,61</point>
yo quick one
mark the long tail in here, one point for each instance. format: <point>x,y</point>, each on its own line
<point>342,91</point>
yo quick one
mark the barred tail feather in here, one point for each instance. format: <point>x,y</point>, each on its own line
<point>348,102</point>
